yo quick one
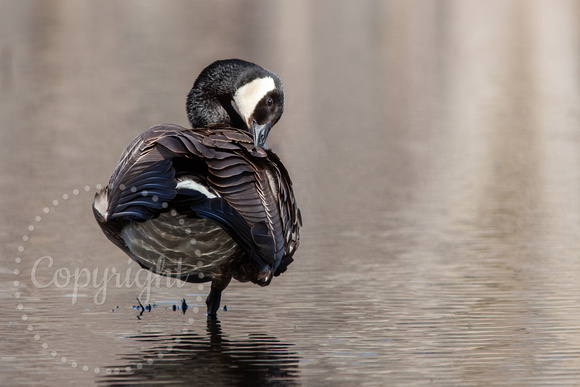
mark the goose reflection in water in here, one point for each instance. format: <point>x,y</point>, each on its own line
<point>192,359</point>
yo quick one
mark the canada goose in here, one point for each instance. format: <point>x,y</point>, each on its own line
<point>212,202</point>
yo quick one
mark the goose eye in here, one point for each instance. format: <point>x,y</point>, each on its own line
<point>270,102</point>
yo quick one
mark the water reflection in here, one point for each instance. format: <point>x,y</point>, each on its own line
<point>213,359</point>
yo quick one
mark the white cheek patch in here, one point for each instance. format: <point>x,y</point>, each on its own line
<point>247,97</point>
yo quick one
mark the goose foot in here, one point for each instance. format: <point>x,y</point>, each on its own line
<point>215,295</point>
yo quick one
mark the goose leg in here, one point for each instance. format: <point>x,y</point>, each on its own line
<point>214,298</point>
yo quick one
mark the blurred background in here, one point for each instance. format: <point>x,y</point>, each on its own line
<point>434,150</point>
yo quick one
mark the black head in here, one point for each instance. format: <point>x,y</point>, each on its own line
<point>238,93</point>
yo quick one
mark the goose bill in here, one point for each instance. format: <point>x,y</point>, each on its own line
<point>260,133</point>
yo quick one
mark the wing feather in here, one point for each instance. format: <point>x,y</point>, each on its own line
<point>255,202</point>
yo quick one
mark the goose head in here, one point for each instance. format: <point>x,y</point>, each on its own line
<point>237,93</point>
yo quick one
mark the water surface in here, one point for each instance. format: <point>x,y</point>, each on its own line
<point>434,149</point>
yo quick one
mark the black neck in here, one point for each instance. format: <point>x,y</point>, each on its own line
<point>210,99</point>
